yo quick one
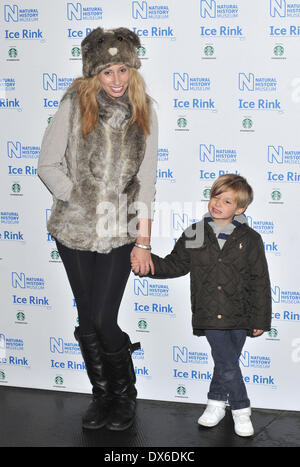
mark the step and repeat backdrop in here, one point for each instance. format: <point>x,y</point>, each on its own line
<point>226,81</point>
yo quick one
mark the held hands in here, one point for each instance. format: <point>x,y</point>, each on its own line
<point>141,262</point>
<point>257,332</point>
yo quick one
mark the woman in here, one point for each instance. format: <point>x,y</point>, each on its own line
<point>98,159</point>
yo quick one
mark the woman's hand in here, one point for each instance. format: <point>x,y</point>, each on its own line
<point>257,332</point>
<point>141,262</point>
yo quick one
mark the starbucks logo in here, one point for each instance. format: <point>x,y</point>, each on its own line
<point>12,53</point>
<point>209,50</point>
<point>273,333</point>
<point>181,391</point>
<point>247,123</point>
<point>278,50</point>
<point>20,316</point>
<point>182,122</point>
<point>54,254</point>
<point>206,193</point>
<point>142,324</point>
<point>59,380</point>
<point>141,51</point>
<point>75,52</point>
<point>16,188</point>
<point>276,195</point>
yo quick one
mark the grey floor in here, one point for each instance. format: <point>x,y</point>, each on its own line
<point>37,418</point>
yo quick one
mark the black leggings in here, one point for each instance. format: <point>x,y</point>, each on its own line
<point>98,282</point>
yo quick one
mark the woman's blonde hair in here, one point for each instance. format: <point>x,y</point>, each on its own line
<point>88,88</point>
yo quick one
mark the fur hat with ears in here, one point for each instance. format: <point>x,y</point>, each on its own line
<point>103,48</point>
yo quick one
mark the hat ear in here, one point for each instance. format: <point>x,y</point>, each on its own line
<point>92,39</point>
<point>130,35</point>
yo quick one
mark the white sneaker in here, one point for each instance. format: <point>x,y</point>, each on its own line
<point>242,422</point>
<point>213,414</point>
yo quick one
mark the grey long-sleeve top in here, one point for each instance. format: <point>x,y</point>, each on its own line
<point>53,149</point>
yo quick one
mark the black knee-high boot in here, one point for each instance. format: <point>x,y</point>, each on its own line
<point>97,412</point>
<point>121,376</point>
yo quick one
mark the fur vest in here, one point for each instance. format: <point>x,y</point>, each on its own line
<point>100,214</point>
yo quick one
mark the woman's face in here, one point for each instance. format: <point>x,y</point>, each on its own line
<point>115,79</point>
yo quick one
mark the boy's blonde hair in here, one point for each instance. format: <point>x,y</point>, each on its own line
<point>242,189</point>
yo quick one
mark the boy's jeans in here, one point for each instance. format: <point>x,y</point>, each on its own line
<point>227,381</point>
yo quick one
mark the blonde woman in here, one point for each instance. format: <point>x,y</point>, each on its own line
<point>98,159</point>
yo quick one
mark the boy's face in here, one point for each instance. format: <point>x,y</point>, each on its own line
<point>223,207</point>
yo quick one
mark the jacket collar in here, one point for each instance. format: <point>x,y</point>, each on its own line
<point>237,233</point>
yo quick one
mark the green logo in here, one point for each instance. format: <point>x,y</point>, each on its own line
<point>20,316</point>
<point>59,380</point>
<point>278,50</point>
<point>142,324</point>
<point>13,53</point>
<point>209,50</point>
<point>206,193</point>
<point>2,375</point>
<point>247,123</point>
<point>182,122</point>
<point>181,391</point>
<point>273,333</point>
<point>141,51</point>
<point>76,52</point>
<point>16,188</point>
<point>54,254</point>
<point>276,195</point>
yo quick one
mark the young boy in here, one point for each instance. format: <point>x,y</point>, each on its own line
<point>230,292</point>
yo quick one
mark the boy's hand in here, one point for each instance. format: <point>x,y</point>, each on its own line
<point>257,332</point>
<point>141,262</point>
